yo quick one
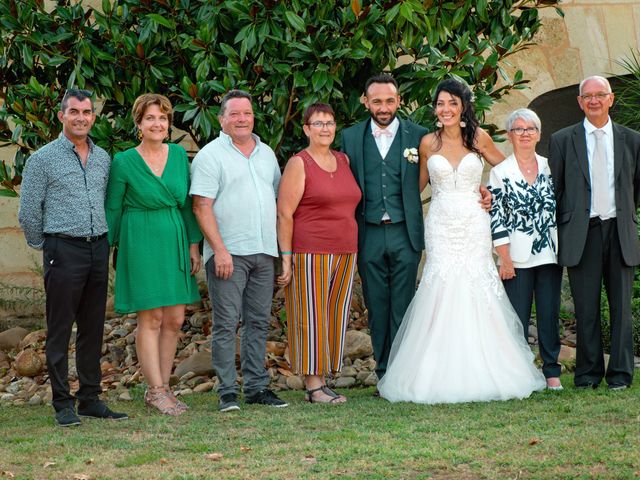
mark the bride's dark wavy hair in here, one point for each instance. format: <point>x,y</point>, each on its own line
<point>458,89</point>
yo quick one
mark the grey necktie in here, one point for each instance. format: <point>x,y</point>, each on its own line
<point>599,176</point>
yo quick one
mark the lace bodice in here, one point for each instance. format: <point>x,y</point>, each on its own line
<point>457,229</point>
<point>464,178</point>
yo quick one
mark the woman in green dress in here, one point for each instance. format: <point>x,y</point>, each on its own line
<point>151,223</point>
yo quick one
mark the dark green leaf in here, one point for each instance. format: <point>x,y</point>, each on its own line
<point>8,193</point>
<point>160,20</point>
<point>295,21</point>
<point>27,56</point>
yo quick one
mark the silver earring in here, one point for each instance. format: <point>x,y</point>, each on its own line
<point>439,124</point>
<point>463,124</point>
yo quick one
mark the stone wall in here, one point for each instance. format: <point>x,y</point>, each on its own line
<point>589,39</point>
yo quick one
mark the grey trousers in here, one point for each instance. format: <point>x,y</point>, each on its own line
<point>246,295</point>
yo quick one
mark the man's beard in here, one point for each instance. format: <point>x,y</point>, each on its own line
<point>384,123</point>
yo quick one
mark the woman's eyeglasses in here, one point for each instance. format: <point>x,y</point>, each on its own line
<point>318,124</point>
<point>522,131</point>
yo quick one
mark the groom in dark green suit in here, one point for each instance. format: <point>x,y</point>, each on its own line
<point>383,152</point>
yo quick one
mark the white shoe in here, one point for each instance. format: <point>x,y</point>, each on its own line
<point>555,388</point>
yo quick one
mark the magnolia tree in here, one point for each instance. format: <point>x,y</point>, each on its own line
<point>287,54</point>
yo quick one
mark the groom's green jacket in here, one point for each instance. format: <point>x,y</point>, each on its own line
<point>410,135</point>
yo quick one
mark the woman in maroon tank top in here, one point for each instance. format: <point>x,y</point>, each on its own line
<point>318,238</point>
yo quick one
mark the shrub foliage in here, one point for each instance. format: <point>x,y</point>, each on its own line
<point>288,54</point>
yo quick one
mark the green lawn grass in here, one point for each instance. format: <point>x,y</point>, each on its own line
<point>570,434</point>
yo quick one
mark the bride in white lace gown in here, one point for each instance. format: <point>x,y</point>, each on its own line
<point>460,340</point>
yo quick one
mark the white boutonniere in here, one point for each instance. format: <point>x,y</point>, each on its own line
<point>411,154</point>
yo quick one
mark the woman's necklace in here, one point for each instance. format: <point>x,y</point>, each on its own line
<point>325,161</point>
<point>528,169</point>
<point>156,161</point>
<point>156,169</point>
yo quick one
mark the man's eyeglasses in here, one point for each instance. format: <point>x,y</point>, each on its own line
<point>522,131</point>
<point>318,124</point>
<point>598,96</point>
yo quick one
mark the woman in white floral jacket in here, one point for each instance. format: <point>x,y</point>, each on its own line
<point>523,227</point>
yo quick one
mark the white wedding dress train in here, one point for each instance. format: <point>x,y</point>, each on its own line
<point>460,339</point>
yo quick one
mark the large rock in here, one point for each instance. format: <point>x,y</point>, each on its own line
<point>204,387</point>
<point>295,382</point>
<point>4,361</point>
<point>32,339</point>
<point>369,364</point>
<point>198,319</point>
<point>276,348</point>
<point>199,363</point>
<point>28,363</point>
<point>357,344</point>
<point>10,339</point>
<point>7,397</point>
<point>345,382</point>
<point>348,372</point>
<point>371,380</point>
<point>570,339</point>
<point>567,354</point>
<point>125,396</point>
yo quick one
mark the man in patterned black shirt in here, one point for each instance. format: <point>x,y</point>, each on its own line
<point>62,213</point>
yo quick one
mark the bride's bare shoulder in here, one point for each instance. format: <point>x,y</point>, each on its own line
<point>429,144</point>
<point>429,139</point>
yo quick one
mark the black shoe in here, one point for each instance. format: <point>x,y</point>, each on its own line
<point>266,397</point>
<point>228,403</point>
<point>584,386</point>
<point>98,409</point>
<point>618,386</point>
<point>67,417</point>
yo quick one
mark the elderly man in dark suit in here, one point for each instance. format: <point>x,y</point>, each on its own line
<point>595,166</point>
<point>384,159</point>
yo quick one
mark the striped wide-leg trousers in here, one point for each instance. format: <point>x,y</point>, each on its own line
<point>317,302</point>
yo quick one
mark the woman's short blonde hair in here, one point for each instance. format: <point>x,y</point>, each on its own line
<point>144,101</point>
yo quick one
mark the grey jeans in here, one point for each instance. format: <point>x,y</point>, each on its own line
<point>246,295</point>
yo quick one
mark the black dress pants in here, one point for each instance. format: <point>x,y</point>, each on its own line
<point>543,282</point>
<point>76,274</point>
<point>602,261</point>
